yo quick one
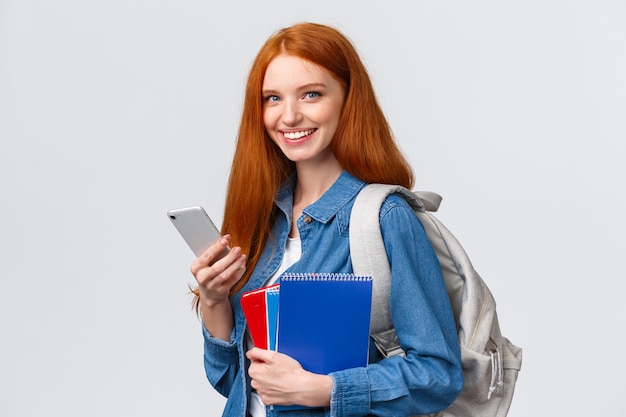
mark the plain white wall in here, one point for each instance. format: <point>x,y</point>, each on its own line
<point>112,112</point>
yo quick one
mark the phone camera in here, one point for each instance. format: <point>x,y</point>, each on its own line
<point>172,217</point>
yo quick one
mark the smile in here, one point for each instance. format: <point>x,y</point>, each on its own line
<point>298,135</point>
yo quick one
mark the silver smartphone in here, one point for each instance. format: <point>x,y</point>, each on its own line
<point>196,228</point>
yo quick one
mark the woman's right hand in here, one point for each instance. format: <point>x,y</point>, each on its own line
<point>216,271</point>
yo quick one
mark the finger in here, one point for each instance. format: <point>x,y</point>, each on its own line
<point>213,253</point>
<point>260,355</point>
<point>228,264</point>
<point>232,273</point>
<point>216,251</point>
<point>254,355</point>
<point>223,273</point>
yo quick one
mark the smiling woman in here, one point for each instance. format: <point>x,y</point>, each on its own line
<point>302,104</point>
<point>311,136</point>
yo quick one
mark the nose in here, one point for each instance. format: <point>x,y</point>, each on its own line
<point>292,114</point>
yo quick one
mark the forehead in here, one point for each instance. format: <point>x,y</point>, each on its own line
<point>289,70</point>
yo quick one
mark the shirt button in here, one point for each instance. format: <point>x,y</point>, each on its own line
<point>307,219</point>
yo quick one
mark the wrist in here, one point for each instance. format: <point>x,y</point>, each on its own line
<point>213,302</point>
<point>217,317</point>
<point>319,390</point>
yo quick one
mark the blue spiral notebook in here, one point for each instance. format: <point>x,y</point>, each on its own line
<point>324,320</point>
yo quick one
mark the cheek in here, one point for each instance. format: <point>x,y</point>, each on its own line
<point>269,122</point>
<point>269,118</point>
<point>331,114</point>
<point>331,119</point>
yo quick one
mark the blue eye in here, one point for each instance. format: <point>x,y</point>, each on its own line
<point>271,98</point>
<point>311,95</point>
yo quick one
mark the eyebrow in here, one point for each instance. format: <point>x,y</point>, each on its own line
<point>305,87</point>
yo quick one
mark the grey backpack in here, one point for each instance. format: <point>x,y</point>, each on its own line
<point>490,361</point>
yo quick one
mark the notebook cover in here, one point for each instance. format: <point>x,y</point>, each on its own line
<point>324,320</point>
<point>271,301</point>
<point>255,307</point>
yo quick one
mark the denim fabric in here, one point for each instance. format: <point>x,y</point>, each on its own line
<point>427,380</point>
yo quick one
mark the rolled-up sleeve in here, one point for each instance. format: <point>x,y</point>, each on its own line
<point>430,377</point>
<point>221,361</point>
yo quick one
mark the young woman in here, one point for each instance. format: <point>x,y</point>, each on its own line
<point>311,136</point>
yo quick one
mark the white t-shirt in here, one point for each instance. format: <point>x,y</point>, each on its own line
<point>293,251</point>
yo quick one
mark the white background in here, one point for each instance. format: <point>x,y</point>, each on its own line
<point>114,111</point>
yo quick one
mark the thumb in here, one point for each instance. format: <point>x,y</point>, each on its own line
<point>259,355</point>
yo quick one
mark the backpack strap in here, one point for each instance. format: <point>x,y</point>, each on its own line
<point>369,257</point>
<point>430,200</point>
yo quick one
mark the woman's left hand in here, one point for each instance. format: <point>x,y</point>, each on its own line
<point>281,380</point>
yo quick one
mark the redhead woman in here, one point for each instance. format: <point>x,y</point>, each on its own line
<point>311,136</point>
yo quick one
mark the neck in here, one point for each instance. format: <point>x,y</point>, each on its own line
<point>314,180</point>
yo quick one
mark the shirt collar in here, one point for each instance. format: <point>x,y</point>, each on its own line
<point>345,188</point>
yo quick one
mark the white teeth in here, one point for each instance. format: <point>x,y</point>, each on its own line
<point>298,135</point>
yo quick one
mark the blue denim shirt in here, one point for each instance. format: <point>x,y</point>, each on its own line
<point>427,380</point>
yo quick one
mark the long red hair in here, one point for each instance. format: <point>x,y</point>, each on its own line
<point>363,143</point>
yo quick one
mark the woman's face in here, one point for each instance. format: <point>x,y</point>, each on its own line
<point>301,107</point>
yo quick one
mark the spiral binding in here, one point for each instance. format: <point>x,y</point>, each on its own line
<point>273,290</point>
<point>300,276</point>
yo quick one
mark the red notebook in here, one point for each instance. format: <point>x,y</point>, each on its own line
<point>260,307</point>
